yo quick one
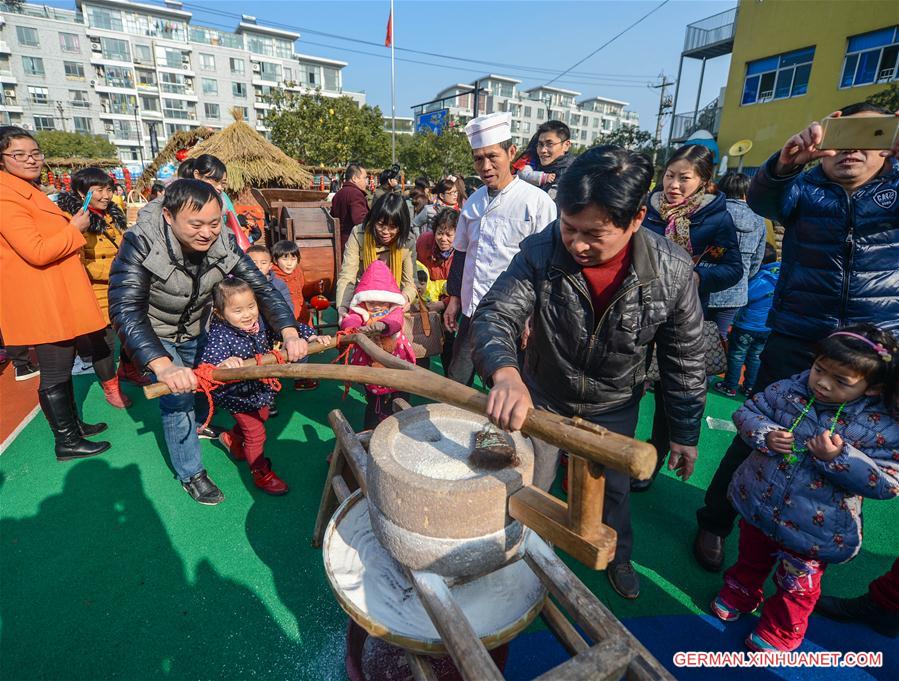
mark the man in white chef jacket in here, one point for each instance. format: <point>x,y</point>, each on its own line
<point>493,223</point>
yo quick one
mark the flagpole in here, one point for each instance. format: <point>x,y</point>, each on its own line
<point>392,86</point>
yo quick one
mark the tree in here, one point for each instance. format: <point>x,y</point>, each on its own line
<point>888,98</point>
<point>629,137</point>
<point>59,144</point>
<point>331,131</point>
<point>435,156</point>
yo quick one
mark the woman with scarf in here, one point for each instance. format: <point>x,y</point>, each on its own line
<point>385,236</point>
<point>103,236</point>
<point>699,222</point>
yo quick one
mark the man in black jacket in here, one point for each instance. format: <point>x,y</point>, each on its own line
<point>160,294</point>
<point>599,290</point>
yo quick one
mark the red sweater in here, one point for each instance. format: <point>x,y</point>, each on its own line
<point>295,282</point>
<point>604,281</point>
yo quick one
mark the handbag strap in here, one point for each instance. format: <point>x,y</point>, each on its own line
<point>425,317</point>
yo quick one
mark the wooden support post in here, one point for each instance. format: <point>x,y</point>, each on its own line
<point>329,501</point>
<point>469,654</point>
<point>586,609</point>
<point>606,661</point>
<point>564,630</point>
<point>586,489</point>
<point>340,488</point>
<point>421,667</point>
<point>349,442</point>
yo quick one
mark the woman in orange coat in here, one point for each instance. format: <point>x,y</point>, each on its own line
<point>102,237</point>
<point>46,299</point>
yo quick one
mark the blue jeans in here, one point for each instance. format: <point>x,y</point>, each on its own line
<point>179,424</point>
<point>744,347</point>
<point>723,318</point>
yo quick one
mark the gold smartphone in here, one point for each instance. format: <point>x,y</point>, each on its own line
<point>860,132</point>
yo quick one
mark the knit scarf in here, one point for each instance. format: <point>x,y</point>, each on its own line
<point>394,258</point>
<point>677,216</point>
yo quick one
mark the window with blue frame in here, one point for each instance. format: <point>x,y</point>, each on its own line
<point>778,77</point>
<point>871,58</point>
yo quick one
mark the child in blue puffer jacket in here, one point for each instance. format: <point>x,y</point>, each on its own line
<point>237,332</point>
<point>750,331</point>
<point>821,441</point>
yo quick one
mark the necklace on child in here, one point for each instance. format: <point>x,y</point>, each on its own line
<point>794,450</point>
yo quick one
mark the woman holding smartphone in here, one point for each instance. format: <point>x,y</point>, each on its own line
<point>45,295</point>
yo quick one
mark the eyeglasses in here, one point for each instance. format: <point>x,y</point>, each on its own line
<point>21,156</point>
<point>547,145</point>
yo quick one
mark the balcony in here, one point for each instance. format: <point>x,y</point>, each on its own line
<point>707,118</point>
<point>711,37</point>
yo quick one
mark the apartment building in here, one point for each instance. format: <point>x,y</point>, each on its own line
<point>140,72</point>
<point>587,118</point>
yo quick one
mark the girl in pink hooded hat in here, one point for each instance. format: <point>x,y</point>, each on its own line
<point>378,303</point>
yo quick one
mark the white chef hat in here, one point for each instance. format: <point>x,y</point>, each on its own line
<point>485,131</point>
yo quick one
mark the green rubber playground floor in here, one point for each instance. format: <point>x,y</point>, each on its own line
<point>108,570</point>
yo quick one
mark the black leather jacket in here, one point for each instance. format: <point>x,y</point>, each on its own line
<point>577,365</point>
<point>153,294</point>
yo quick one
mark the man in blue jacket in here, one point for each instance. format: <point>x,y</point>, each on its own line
<point>840,266</point>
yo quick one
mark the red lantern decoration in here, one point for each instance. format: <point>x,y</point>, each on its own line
<point>319,302</point>
<point>180,155</point>
<point>51,178</point>
<point>67,182</point>
<point>127,174</point>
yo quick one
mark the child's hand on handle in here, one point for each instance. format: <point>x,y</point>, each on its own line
<point>509,401</point>
<point>295,347</point>
<point>780,441</point>
<point>825,447</point>
<point>682,460</point>
<point>802,148</point>
<point>231,363</point>
<point>179,379</point>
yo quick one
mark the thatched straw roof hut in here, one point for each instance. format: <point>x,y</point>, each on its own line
<point>252,160</point>
<point>183,139</point>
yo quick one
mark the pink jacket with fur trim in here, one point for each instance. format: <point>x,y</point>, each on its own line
<point>393,340</point>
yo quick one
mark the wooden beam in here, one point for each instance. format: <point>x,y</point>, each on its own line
<point>469,654</point>
<point>564,630</point>
<point>586,491</point>
<point>548,517</point>
<point>586,609</point>
<point>349,443</point>
<point>340,488</point>
<point>606,661</point>
<point>329,501</point>
<point>421,667</point>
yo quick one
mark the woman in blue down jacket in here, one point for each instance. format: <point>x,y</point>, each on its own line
<point>697,221</point>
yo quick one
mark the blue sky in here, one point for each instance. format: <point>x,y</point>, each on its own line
<point>537,40</point>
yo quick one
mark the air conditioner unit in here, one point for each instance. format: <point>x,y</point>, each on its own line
<point>95,47</point>
<point>257,67</point>
<point>185,59</point>
<point>11,92</point>
<point>93,83</point>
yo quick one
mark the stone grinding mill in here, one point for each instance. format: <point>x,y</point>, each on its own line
<point>435,556</point>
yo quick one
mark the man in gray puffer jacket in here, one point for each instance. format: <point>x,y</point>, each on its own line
<point>160,295</point>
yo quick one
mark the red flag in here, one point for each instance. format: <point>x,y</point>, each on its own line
<point>388,41</point>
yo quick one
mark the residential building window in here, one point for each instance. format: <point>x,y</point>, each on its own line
<point>177,108</point>
<point>27,36</point>
<point>175,59</point>
<point>123,130</point>
<point>43,123</point>
<point>527,112</point>
<point>34,66</point>
<point>83,125</point>
<point>210,86</point>
<point>172,128</point>
<point>238,66</point>
<point>583,135</point>
<point>207,62</point>
<point>332,79</point>
<point>115,49</point>
<point>78,99</point>
<point>311,77</point>
<point>143,54</point>
<point>119,76</point>
<point>149,103</point>
<point>38,95</point>
<point>102,18</point>
<point>212,110</point>
<point>246,113</point>
<point>288,74</point>
<point>146,78</point>
<point>239,89</point>
<point>778,77</point>
<point>595,122</point>
<point>176,84</point>
<point>74,70</point>
<point>118,103</point>
<point>68,42</point>
<point>269,72</point>
<point>871,58</point>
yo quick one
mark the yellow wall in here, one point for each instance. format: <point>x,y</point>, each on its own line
<point>770,27</point>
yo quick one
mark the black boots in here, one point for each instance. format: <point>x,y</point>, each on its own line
<point>58,405</point>
<point>86,429</point>
<point>862,610</point>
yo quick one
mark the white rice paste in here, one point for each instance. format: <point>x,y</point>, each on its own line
<point>364,573</point>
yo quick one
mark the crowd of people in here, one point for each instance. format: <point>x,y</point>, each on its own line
<point>560,282</point>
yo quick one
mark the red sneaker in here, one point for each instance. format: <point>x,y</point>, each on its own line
<point>128,372</point>
<point>265,479</point>
<point>233,444</point>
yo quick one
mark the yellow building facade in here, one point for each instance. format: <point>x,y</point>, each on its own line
<point>795,61</point>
